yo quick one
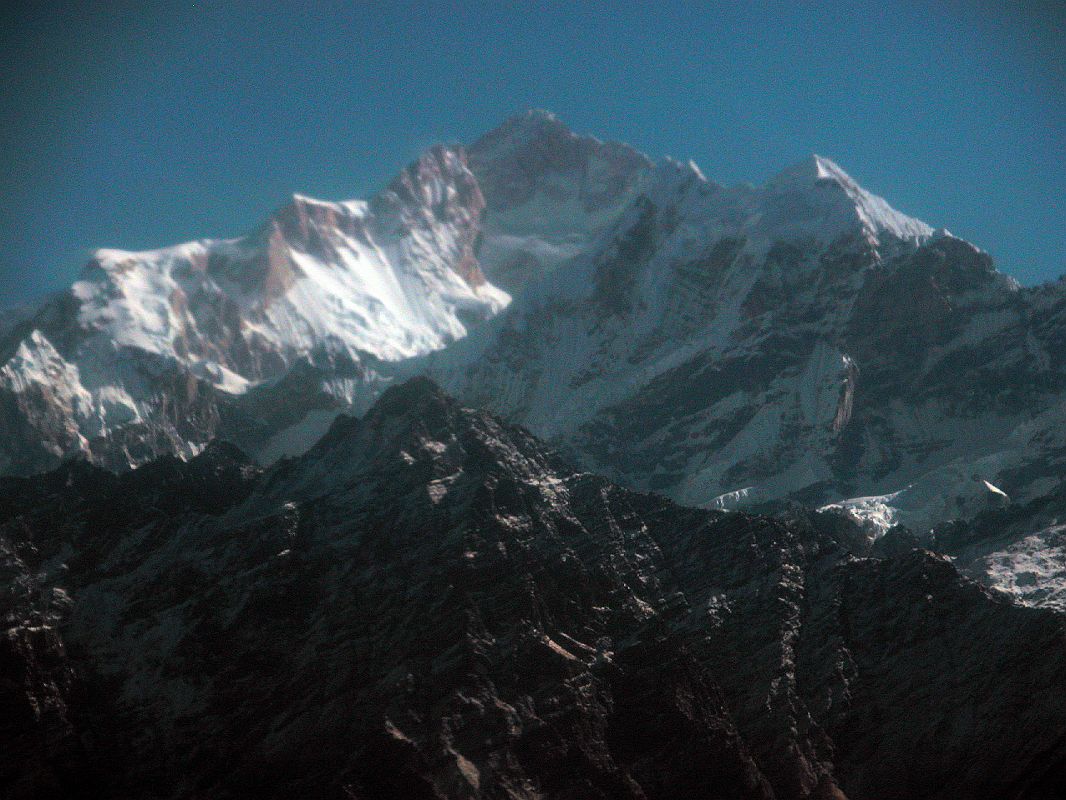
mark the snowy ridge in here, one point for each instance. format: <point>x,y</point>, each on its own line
<point>876,214</point>
<point>383,280</point>
<point>816,199</point>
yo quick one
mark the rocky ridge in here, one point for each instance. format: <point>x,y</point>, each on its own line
<point>430,603</point>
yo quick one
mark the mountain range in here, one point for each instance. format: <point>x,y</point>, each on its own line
<point>549,471</point>
<point>728,347</point>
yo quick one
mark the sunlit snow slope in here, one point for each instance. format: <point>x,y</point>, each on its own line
<point>138,346</point>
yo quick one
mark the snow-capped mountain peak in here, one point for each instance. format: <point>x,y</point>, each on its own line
<point>671,175</point>
<point>784,338</point>
<point>530,124</point>
<point>684,336</point>
<point>817,189</point>
<point>549,192</point>
<point>392,277</point>
<point>384,279</point>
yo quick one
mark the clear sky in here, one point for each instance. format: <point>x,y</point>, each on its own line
<point>140,125</point>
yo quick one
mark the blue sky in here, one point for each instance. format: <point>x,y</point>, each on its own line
<point>142,125</point>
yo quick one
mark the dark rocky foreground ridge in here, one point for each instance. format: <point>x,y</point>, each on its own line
<point>431,604</point>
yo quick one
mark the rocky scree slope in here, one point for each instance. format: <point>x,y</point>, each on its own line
<point>430,604</point>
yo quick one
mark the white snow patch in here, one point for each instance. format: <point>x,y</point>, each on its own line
<point>1032,569</point>
<point>995,489</point>
<point>876,510</point>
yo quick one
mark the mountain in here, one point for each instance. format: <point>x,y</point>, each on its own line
<point>158,352</point>
<point>135,358</point>
<point>800,340</point>
<point>729,347</point>
<point>548,193</point>
<point>430,603</point>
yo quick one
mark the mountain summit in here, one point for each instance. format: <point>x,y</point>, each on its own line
<point>826,193</point>
<point>149,343</point>
<point>549,193</point>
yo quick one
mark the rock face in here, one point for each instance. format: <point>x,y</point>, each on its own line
<point>430,603</point>
<point>549,194</point>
